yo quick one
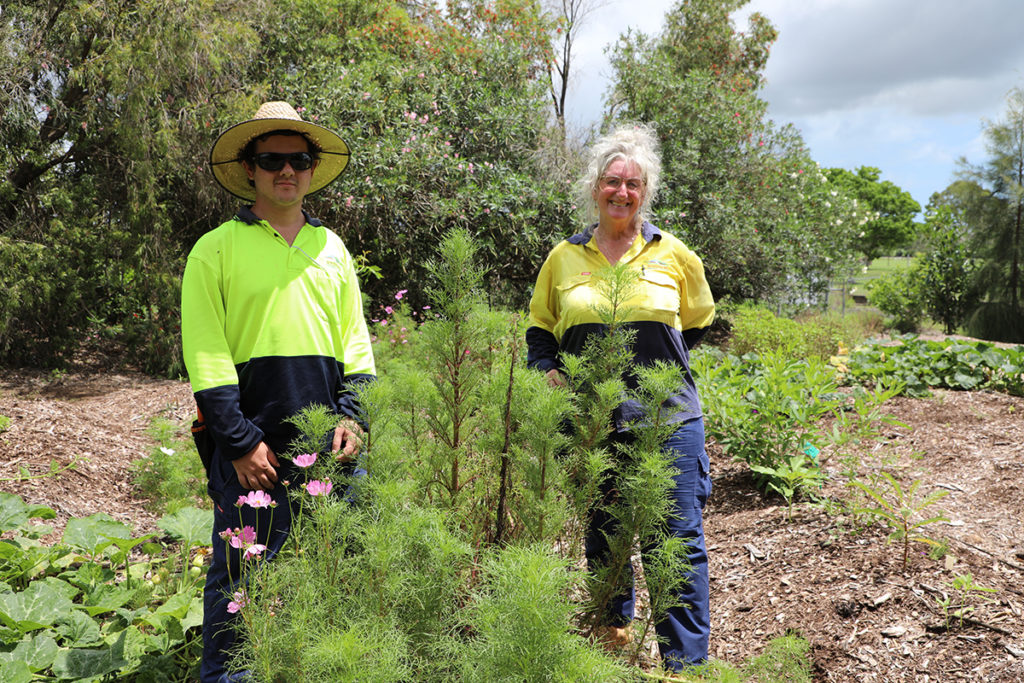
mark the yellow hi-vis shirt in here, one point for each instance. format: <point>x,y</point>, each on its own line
<point>269,328</point>
<point>670,311</point>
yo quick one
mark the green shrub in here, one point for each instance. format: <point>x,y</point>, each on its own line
<point>898,295</point>
<point>171,475</point>
<point>756,329</point>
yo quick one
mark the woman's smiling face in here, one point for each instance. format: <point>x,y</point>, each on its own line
<point>620,192</point>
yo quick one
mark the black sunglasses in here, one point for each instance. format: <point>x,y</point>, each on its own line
<point>274,161</point>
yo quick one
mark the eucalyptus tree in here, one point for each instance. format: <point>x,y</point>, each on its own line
<point>742,191</point>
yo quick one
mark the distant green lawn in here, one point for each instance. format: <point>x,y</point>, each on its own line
<point>880,266</point>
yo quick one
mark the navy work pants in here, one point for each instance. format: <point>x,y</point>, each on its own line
<point>685,629</point>
<point>224,577</point>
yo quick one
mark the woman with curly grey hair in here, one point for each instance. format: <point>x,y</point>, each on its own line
<point>670,312</point>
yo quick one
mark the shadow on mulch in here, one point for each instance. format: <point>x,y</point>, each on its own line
<point>734,491</point>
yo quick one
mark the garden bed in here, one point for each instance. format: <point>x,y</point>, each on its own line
<point>847,592</point>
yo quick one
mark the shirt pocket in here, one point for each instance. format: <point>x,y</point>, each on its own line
<point>577,299</point>
<point>660,291</point>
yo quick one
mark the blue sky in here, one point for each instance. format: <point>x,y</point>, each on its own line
<point>902,85</point>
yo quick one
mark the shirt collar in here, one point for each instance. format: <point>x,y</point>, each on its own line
<point>647,230</point>
<point>246,215</point>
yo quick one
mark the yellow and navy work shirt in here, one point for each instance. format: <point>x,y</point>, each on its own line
<point>671,310</point>
<point>268,329</point>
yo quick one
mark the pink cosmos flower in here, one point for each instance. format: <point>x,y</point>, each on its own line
<point>254,550</point>
<point>389,310</point>
<point>243,537</point>
<point>318,488</point>
<point>400,294</point>
<point>259,499</point>
<point>305,460</point>
<point>238,603</point>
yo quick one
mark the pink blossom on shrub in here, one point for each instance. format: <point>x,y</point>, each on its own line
<point>259,499</point>
<point>318,488</point>
<point>305,460</point>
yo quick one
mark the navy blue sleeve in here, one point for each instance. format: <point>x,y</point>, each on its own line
<point>542,350</point>
<point>233,433</point>
<point>348,399</point>
<point>693,336</point>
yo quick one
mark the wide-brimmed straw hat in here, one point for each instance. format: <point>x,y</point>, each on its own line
<point>226,155</point>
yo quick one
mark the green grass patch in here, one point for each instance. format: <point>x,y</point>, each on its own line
<point>171,475</point>
<point>884,265</point>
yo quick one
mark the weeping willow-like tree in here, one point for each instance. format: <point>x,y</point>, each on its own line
<point>995,211</point>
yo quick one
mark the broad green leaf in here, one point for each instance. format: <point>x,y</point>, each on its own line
<point>171,611</point>
<point>190,525</point>
<point>965,381</point>
<point>125,545</point>
<point>194,617</point>
<point>37,651</point>
<point>79,663</point>
<point>66,589</point>
<point>106,598</point>
<point>35,531</point>
<point>38,511</point>
<point>15,672</point>
<point>38,606</point>
<point>79,630</point>
<point>93,533</point>
<point>14,512</point>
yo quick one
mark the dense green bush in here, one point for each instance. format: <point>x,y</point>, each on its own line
<point>899,296</point>
<point>756,329</point>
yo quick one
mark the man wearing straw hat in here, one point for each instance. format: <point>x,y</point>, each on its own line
<point>271,322</point>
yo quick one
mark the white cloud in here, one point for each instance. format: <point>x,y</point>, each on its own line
<point>902,85</point>
<point>938,57</point>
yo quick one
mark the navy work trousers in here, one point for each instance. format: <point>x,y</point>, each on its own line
<point>224,577</point>
<point>684,630</point>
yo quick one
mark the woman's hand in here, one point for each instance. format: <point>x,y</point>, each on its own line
<point>555,378</point>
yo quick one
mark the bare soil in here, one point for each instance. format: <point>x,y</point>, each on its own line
<point>844,588</point>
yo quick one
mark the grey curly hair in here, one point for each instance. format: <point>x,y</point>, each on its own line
<point>636,142</point>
